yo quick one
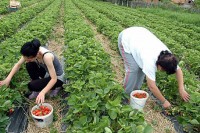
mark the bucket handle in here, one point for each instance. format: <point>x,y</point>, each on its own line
<point>39,120</point>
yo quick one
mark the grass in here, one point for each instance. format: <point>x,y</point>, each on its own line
<point>183,17</point>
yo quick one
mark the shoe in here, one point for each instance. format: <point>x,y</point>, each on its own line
<point>55,92</point>
<point>125,101</point>
<point>34,94</point>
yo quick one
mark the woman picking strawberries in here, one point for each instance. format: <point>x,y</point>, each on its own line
<point>44,69</point>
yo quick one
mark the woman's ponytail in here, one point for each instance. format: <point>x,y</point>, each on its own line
<point>164,53</point>
<point>35,43</point>
<point>30,49</point>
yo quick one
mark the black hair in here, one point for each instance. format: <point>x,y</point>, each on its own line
<point>30,49</point>
<point>167,61</point>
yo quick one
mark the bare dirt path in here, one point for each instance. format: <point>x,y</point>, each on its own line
<point>55,44</point>
<point>116,60</point>
<point>159,123</point>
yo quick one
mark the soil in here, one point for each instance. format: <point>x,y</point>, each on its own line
<point>32,128</point>
<point>116,61</point>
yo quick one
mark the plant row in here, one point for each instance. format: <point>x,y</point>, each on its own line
<point>8,97</point>
<point>95,100</point>
<point>187,35</point>
<point>4,5</point>
<point>111,28</point>
<point>12,22</point>
<point>180,17</point>
<point>40,27</point>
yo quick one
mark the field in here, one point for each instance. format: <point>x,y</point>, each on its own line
<point>84,34</point>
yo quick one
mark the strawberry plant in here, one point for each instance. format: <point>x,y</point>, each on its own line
<point>3,122</point>
<point>9,98</point>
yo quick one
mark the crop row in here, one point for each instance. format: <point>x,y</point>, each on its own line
<point>187,35</point>
<point>11,23</point>
<point>180,17</point>
<point>95,100</point>
<point>111,28</point>
<point>4,5</point>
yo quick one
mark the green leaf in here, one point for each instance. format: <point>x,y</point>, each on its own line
<point>194,122</point>
<point>83,120</point>
<point>7,103</point>
<point>93,105</point>
<point>112,114</point>
<point>116,102</point>
<point>106,90</point>
<point>107,130</point>
<point>148,129</point>
<point>99,91</point>
<point>77,109</point>
<point>108,106</point>
<point>139,129</point>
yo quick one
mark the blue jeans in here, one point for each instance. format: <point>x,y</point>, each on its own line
<point>134,75</point>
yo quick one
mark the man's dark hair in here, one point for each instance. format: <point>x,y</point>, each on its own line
<point>167,61</point>
<point>30,49</point>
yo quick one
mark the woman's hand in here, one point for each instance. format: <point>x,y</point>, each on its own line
<point>185,96</point>
<point>166,104</point>
<point>5,82</point>
<point>40,98</point>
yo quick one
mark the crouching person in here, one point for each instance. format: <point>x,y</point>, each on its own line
<point>44,69</point>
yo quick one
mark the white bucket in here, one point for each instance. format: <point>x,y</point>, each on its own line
<point>43,121</point>
<point>138,103</point>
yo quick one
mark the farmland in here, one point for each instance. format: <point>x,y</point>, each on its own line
<point>94,85</point>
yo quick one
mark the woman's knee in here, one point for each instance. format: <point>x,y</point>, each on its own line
<point>31,86</point>
<point>59,83</point>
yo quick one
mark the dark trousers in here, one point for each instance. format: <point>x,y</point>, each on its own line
<point>37,73</point>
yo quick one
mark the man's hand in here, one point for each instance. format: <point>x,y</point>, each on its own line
<point>185,96</point>
<point>166,104</point>
<point>40,98</point>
